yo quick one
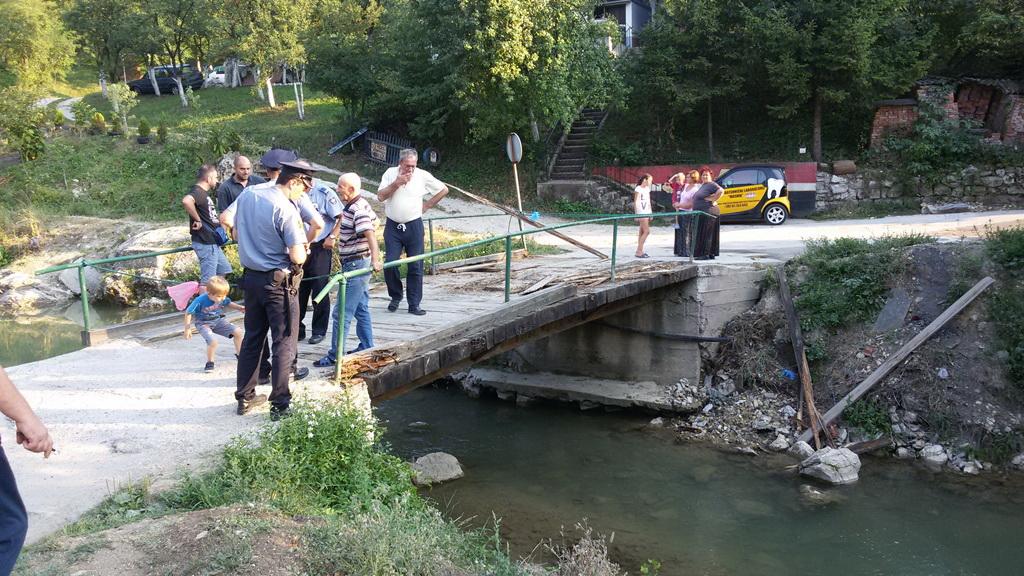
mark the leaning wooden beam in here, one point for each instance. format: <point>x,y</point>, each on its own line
<point>806,391</point>
<point>882,371</point>
<point>528,220</point>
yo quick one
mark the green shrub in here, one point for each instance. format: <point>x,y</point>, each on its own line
<point>868,415</point>
<point>144,128</point>
<point>161,133</point>
<point>98,125</point>
<point>319,460</point>
<point>1006,307</point>
<point>392,540</point>
<point>83,114</point>
<point>846,279</point>
<point>58,118</point>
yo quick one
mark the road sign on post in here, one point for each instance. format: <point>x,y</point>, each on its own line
<point>514,149</point>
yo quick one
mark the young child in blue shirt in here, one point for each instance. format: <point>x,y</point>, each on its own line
<point>208,310</point>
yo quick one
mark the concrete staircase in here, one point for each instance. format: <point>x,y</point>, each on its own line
<point>572,155</point>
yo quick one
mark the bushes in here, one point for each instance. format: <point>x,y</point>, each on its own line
<point>21,122</point>
<point>317,461</point>
<point>846,279</point>
<point>83,114</point>
<point>144,130</point>
<point>98,124</point>
<point>1006,249</point>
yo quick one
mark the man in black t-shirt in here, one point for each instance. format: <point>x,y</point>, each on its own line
<point>203,225</point>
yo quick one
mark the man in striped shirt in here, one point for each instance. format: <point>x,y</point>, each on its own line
<point>357,249</point>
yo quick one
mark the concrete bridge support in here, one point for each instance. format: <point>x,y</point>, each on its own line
<point>659,341</point>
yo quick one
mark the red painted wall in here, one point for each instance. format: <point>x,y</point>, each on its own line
<point>801,174</point>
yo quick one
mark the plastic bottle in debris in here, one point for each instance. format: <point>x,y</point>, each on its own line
<point>788,374</point>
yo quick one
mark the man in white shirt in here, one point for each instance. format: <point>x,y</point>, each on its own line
<point>402,190</point>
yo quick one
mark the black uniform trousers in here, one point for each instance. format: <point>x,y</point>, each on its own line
<point>270,306</point>
<point>408,237</point>
<point>318,266</point>
<point>13,519</point>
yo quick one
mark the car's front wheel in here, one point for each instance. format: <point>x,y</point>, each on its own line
<point>775,214</point>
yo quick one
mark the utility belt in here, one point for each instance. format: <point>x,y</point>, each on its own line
<point>354,257</point>
<point>287,278</point>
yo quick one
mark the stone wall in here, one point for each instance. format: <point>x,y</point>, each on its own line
<point>603,195</point>
<point>970,189</point>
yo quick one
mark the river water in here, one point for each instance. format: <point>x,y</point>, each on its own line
<point>54,332</point>
<point>698,510</point>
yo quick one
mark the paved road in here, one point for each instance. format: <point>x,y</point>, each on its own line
<point>749,240</point>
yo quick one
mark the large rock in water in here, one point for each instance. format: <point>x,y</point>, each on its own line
<point>435,468</point>
<point>835,466</point>
<point>93,281</point>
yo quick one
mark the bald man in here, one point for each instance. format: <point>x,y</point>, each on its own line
<point>357,249</point>
<point>233,186</point>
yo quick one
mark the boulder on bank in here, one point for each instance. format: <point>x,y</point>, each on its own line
<point>801,450</point>
<point>934,456</point>
<point>435,468</point>
<point>93,281</point>
<point>832,465</point>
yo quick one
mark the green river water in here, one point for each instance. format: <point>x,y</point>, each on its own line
<point>696,510</point>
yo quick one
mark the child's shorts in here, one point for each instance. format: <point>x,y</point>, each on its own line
<point>220,326</point>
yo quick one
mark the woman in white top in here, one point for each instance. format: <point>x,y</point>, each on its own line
<point>642,205</point>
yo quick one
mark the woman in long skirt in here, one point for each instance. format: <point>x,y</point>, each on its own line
<point>688,186</point>
<point>708,226</point>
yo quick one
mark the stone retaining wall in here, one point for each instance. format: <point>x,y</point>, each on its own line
<point>977,188</point>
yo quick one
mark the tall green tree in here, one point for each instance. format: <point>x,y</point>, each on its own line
<point>826,53</point>
<point>107,31</point>
<point>170,27</point>
<point>978,37</point>
<point>696,53</point>
<point>342,52</point>
<point>35,48</point>
<point>269,34</point>
<point>478,68</point>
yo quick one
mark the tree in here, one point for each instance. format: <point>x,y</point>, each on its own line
<point>695,54</point>
<point>107,30</point>
<point>271,32</point>
<point>173,25</point>
<point>978,37</point>
<point>342,52</point>
<point>35,48</point>
<point>473,68</point>
<point>837,52</point>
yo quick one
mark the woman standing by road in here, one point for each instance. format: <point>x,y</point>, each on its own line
<point>688,185</point>
<point>708,225</point>
<point>642,205</point>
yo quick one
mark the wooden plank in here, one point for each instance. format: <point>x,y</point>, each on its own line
<point>805,392</point>
<point>882,371</point>
<point>538,285</point>
<point>485,267</point>
<point>530,221</point>
<point>499,257</point>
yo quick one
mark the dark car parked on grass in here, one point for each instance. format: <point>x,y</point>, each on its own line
<point>165,80</point>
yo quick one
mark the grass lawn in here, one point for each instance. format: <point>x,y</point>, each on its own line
<point>80,81</point>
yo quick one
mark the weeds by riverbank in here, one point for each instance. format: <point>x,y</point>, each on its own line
<point>346,505</point>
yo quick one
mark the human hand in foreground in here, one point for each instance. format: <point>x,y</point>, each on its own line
<point>34,437</point>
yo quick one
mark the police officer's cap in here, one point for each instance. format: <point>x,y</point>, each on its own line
<point>275,157</point>
<point>300,165</point>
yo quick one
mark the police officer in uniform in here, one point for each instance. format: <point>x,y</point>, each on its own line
<point>328,206</point>
<point>272,247</point>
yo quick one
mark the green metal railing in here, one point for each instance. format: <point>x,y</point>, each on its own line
<point>341,279</point>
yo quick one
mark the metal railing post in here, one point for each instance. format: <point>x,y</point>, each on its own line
<point>615,245</point>
<point>339,341</point>
<point>430,228</point>
<point>694,229</point>
<point>84,295</point>
<point>508,268</point>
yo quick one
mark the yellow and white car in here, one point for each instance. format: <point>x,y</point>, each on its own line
<point>754,192</point>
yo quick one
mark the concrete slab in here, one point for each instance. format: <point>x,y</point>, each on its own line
<point>642,394</point>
